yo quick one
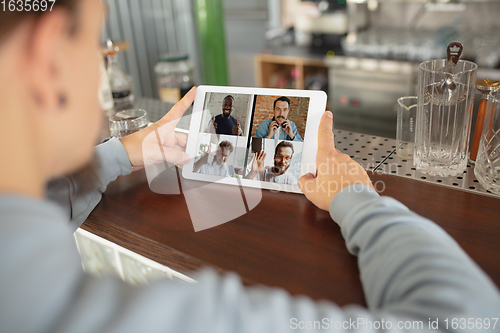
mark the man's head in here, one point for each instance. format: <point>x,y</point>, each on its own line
<point>225,149</point>
<point>9,20</point>
<point>227,106</point>
<point>281,108</point>
<point>282,157</point>
<point>50,72</point>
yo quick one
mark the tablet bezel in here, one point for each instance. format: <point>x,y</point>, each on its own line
<point>317,105</point>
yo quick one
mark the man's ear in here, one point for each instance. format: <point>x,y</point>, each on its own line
<point>44,57</point>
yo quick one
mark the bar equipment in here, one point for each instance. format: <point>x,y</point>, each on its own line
<point>487,168</point>
<point>405,133</point>
<point>485,87</point>
<point>445,102</point>
<point>104,95</point>
<point>127,122</point>
<point>371,109</point>
<point>121,84</point>
<point>174,76</point>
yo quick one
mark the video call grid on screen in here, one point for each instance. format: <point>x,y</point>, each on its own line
<point>247,113</point>
<point>251,137</point>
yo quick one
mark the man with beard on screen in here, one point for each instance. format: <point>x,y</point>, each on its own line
<point>224,123</point>
<point>278,173</point>
<point>287,130</point>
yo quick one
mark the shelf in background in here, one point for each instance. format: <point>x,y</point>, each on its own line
<point>278,71</point>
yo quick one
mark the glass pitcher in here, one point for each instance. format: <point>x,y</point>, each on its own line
<point>487,169</point>
<point>444,112</point>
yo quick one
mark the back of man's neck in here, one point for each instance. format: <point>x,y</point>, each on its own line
<point>22,171</point>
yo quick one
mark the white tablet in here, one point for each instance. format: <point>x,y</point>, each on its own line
<point>255,137</point>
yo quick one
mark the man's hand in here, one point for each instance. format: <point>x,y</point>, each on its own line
<point>207,158</point>
<point>258,162</point>
<point>335,170</point>
<point>171,144</point>
<point>258,165</point>
<point>272,128</point>
<point>214,123</point>
<point>288,129</point>
<point>236,129</point>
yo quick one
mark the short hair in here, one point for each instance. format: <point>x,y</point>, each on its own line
<point>227,145</point>
<point>9,20</point>
<point>282,99</point>
<point>283,144</point>
<point>228,96</point>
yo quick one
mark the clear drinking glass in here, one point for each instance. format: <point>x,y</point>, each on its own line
<point>487,168</point>
<point>405,132</point>
<point>444,111</point>
<point>127,122</point>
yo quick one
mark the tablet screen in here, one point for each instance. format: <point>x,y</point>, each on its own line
<point>251,136</point>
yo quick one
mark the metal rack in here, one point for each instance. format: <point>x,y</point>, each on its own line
<point>378,154</point>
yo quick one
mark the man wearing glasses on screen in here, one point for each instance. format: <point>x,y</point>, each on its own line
<point>278,173</point>
<point>280,123</point>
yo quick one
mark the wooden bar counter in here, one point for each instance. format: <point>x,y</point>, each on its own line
<point>285,241</point>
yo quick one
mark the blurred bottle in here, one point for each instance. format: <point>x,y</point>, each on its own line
<point>121,86</point>
<point>105,96</point>
<point>174,76</point>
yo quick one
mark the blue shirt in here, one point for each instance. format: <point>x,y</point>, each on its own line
<point>225,126</point>
<point>411,270</point>
<point>263,130</point>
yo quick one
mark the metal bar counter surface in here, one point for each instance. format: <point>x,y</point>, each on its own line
<point>285,241</point>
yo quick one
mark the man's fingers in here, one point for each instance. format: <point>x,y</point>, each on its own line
<point>325,137</point>
<point>180,107</point>
<point>238,122</point>
<point>181,148</point>
<point>308,177</point>
<point>261,155</point>
<point>176,156</point>
<point>213,119</point>
<point>181,139</point>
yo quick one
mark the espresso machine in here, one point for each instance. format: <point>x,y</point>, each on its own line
<point>326,22</point>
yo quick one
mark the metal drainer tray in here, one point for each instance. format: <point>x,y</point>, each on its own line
<point>378,154</point>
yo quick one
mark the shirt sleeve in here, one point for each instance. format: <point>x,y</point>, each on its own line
<point>410,267</point>
<point>262,130</point>
<point>202,169</point>
<point>296,133</point>
<point>210,126</point>
<point>80,193</point>
<point>411,271</point>
<point>260,176</point>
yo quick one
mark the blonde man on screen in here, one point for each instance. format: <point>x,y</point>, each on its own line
<point>215,164</point>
